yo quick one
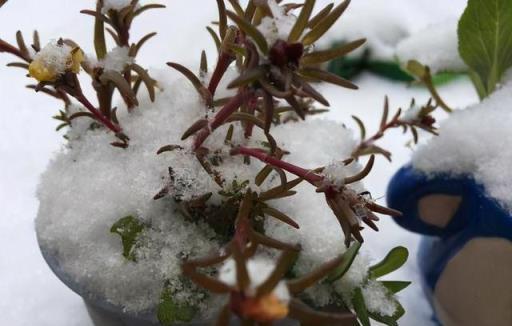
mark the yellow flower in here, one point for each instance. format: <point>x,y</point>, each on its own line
<point>54,60</point>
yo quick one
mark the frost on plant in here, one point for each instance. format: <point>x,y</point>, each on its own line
<point>222,191</point>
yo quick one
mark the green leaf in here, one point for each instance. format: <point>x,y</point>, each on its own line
<point>302,21</point>
<point>395,286</point>
<point>129,229</point>
<point>100,44</point>
<point>250,30</point>
<point>393,261</point>
<point>348,259</point>
<point>169,312</point>
<point>360,307</point>
<point>485,41</point>
<point>325,24</point>
<point>330,54</point>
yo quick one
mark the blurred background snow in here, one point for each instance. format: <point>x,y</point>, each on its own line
<point>29,293</point>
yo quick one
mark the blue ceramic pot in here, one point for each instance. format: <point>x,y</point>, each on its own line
<point>475,238</point>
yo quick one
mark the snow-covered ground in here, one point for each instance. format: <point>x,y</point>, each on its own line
<point>29,293</point>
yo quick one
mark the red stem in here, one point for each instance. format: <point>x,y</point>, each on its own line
<point>6,47</point>
<point>307,175</point>
<point>97,114</point>
<point>221,116</point>
<point>223,63</point>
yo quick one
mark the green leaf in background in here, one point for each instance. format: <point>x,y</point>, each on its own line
<point>169,312</point>
<point>395,286</point>
<point>348,259</point>
<point>360,307</point>
<point>485,41</point>
<point>129,229</point>
<point>393,261</point>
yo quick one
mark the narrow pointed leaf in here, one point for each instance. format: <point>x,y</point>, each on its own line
<point>325,24</point>
<point>330,54</point>
<point>395,259</point>
<point>203,91</point>
<point>100,45</point>
<point>122,85</point>
<point>250,30</point>
<point>395,286</point>
<point>360,307</point>
<point>327,77</point>
<point>348,259</point>
<point>148,81</point>
<point>301,22</point>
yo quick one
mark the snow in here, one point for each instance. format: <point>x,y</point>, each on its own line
<point>259,270</point>
<point>31,293</point>
<point>116,5</point>
<point>277,27</point>
<point>378,299</point>
<point>469,150</point>
<point>370,20</point>
<point>435,46</point>
<point>116,59</point>
<point>411,114</point>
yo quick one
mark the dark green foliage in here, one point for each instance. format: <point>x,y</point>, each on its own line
<point>128,228</point>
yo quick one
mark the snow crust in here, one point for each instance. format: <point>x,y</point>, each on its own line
<point>435,46</point>
<point>475,142</point>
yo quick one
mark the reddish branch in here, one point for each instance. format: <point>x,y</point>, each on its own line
<point>6,47</point>
<point>261,155</point>
<point>229,108</point>
<point>97,114</point>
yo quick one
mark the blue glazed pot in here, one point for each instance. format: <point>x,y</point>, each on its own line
<point>478,226</point>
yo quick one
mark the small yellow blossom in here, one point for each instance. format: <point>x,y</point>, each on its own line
<point>54,60</point>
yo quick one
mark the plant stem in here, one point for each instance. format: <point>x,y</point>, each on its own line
<point>221,116</point>
<point>307,175</point>
<point>97,114</point>
<point>6,47</point>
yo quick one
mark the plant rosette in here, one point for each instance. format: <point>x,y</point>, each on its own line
<point>90,186</point>
<point>457,192</point>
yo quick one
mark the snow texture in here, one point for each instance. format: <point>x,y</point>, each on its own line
<point>277,27</point>
<point>435,46</point>
<point>259,270</point>
<point>116,59</point>
<point>370,20</point>
<point>475,142</point>
<point>378,299</point>
<point>116,5</point>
